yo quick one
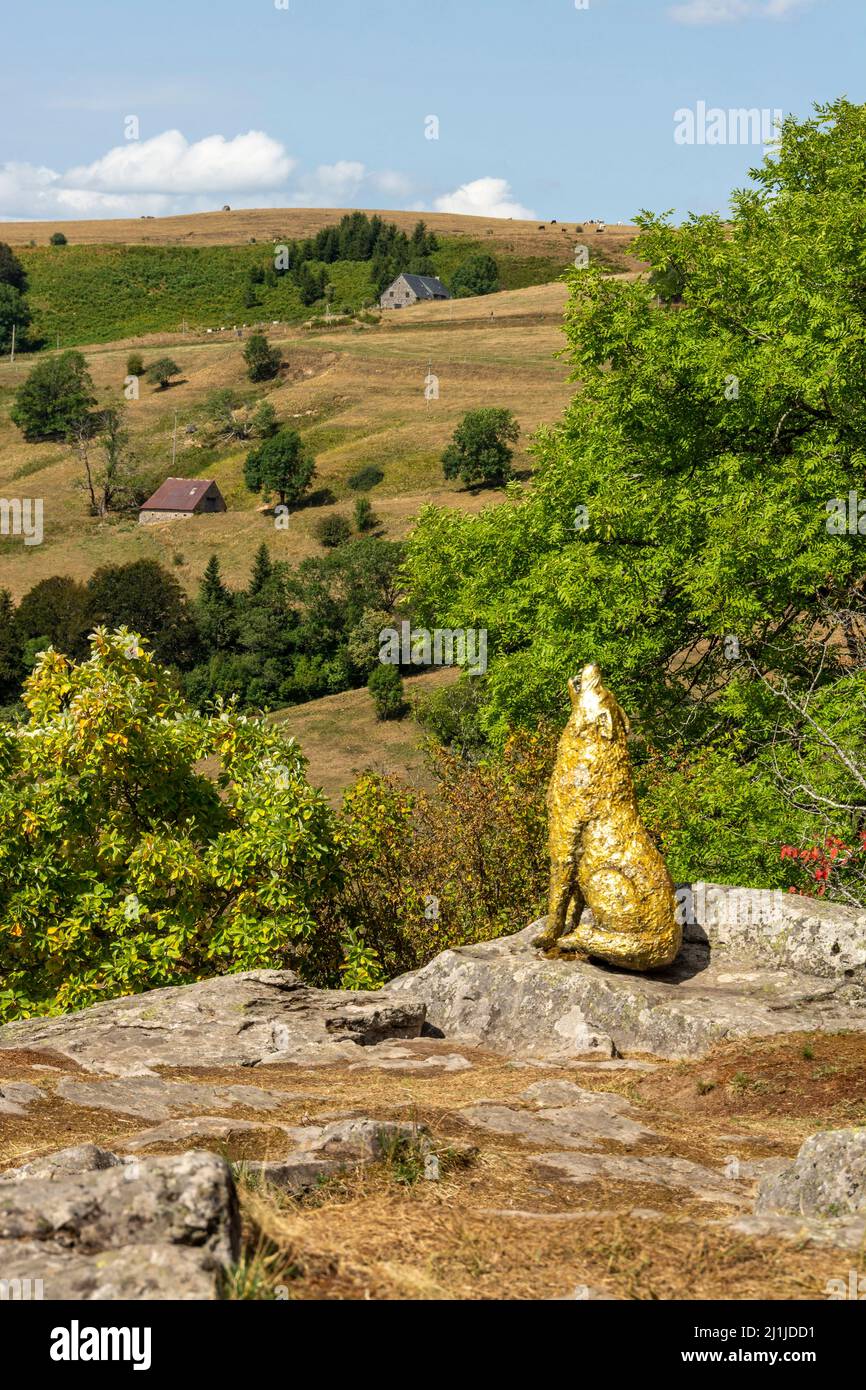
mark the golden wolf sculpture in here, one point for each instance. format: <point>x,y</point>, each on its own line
<point>600,853</point>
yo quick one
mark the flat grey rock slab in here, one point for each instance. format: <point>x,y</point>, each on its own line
<point>261,1016</point>
<point>153,1098</point>
<point>16,1096</point>
<point>751,976</point>
<point>847,1234</point>
<point>135,1272</point>
<point>827,1178</point>
<point>571,1117</point>
<point>671,1173</point>
<point>183,1130</point>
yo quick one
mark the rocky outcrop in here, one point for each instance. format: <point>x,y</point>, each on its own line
<point>827,1178</point>
<point>158,1228</point>
<point>752,964</point>
<point>258,1017</point>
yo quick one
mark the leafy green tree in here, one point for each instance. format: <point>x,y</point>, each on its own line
<point>12,272</point>
<point>683,528</point>
<point>144,596</point>
<point>56,610</point>
<point>477,275</point>
<point>122,865</point>
<point>11,651</point>
<point>160,372</point>
<point>55,398</point>
<point>281,465</point>
<point>14,313</point>
<point>385,685</point>
<point>263,361</point>
<point>479,452</point>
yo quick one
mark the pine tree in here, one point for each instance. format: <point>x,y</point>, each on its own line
<point>213,590</point>
<point>263,568</point>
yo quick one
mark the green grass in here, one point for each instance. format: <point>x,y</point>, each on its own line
<point>96,294</point>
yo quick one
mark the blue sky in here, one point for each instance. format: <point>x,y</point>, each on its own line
<point>543,107</point>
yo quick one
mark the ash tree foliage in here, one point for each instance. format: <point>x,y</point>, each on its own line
<point>677,529</point>
<point>480,452</point>
<point>122,866</point>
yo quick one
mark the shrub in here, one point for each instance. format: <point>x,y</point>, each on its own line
<point>332,530</point>
<point>122,867</point>
<point>135,364</point>
<point>386,688</point>
<point>161,371</point>
<point>365,518</point>
<point>428,871</point>
<point>263,361</point>
<point>58,239</point>
<point>366,478</point>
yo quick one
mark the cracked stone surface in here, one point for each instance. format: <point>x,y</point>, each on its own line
<point>672,1173</point>
<point>753,964</point>
<point>154,1228</point>
<point>569,1116</point>
<point>15,1096</point>
<point>827,1178</point>
<point>155,1099</point>
<point>258,1017</point>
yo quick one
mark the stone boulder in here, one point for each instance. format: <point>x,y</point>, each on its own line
<point>83,1224</point>
<point>752,964</point>
<point>827,1178</point>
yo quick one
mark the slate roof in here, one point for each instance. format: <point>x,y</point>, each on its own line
<point>177,495</point>
<point>426,286</point>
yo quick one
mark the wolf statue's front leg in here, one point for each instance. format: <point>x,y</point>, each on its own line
<point>564,890</point>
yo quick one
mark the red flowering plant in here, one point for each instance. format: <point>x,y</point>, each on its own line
<point>835,866</point>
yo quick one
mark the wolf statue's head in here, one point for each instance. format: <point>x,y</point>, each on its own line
<point>594,707</point>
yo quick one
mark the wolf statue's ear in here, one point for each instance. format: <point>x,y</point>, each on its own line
<point>573,691</point>
<point>626,722</point>
<point>605,723</point>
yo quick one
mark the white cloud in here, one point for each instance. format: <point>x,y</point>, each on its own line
<point>487,197</point>
<point>344,177</point>
<point>729,11</point>
<point>169,164</point>
<point>168,174</point>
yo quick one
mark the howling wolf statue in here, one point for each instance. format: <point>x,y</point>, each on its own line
<point>601,856</point>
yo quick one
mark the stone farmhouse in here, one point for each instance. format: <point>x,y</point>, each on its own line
<point>179,497</point>
<point>409,289</point>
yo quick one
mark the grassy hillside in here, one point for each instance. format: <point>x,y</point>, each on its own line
<point>357,395</point>
<point>93,294</point>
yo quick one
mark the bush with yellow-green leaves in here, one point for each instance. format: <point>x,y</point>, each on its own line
<point>123,866</point>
